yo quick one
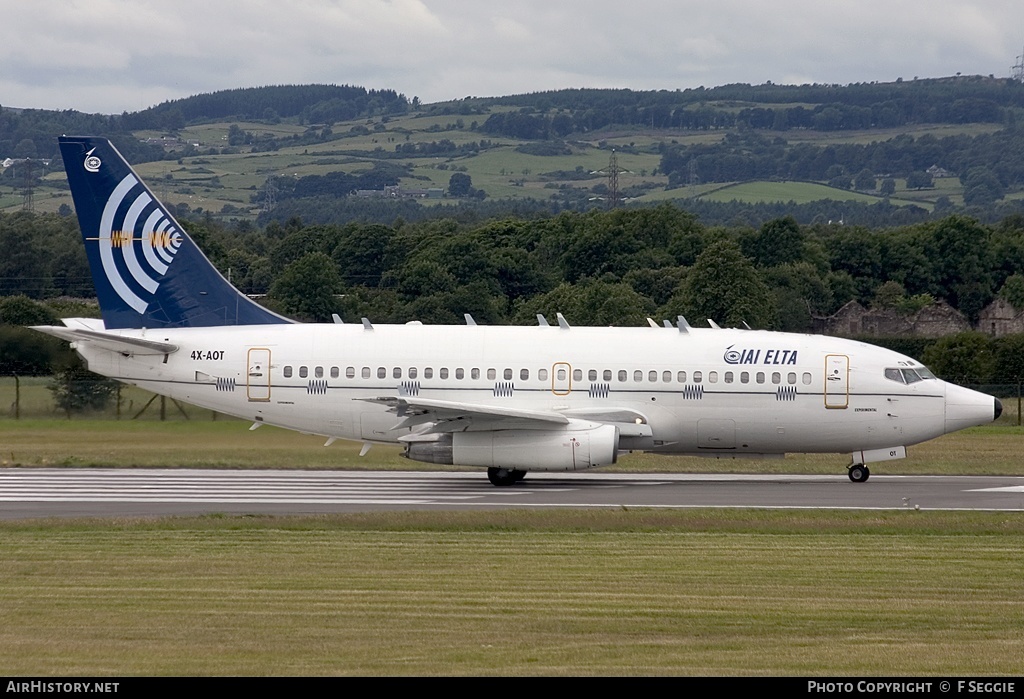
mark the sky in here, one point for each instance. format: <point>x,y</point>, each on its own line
<point>110,56</point>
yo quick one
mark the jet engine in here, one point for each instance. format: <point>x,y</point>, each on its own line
<point>576,446</point>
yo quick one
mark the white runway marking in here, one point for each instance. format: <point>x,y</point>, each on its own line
<point>245,487</point>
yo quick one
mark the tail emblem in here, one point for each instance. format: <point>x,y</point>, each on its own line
<point>92,162</point>
<point>156,236</point>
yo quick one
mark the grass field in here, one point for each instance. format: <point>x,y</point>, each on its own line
<point>517,593</point>
<point>500,171</point>
<point>507,593</point>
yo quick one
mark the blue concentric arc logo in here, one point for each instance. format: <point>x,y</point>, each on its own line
<point>142,228</point>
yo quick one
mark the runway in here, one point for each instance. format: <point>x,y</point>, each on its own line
<point>27,493</point>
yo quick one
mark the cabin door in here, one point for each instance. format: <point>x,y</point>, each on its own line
<point>561,378</point>
<point>257,375</point>
<point>837,381</point>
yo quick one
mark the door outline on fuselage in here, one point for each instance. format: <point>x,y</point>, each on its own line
<point>257,375</point>
<point>561,387</point>
<point>837,381</point>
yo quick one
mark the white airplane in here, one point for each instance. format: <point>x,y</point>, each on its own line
<point>508,399</point>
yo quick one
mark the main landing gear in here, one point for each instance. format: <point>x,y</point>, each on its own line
<point>504,476</point>
<point>858,473</point>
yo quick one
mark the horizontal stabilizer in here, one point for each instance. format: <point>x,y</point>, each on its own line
<point>110,341</point>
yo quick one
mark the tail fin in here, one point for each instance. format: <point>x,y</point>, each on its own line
<point>148,272</point>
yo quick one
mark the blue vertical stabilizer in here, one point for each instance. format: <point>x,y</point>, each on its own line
<point>148,272</point>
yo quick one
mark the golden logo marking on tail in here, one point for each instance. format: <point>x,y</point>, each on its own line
<point>120,239</point>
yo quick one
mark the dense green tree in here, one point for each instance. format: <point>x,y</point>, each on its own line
<point>75,389</point>
<point>307,288</point>
<point>21,310</point>
<point>724,286</point>
<point>919,179</point>
<point>778,242</point>
<point>460,185</point>
<point>595,303</point>
<point>865,180</point>
<point>962,358</point>
<point>1013,291</point>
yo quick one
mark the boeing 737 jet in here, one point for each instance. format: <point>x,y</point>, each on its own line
<point>509,399</point>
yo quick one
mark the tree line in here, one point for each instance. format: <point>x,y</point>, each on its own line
<point>597,268</point>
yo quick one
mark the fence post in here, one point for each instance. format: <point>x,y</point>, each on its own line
<point>17,398</point>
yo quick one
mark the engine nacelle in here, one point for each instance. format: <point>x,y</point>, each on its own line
<point>576,446</point>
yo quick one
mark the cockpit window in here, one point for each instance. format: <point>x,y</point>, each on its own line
<point>908,376</point>
<point>894,375</point>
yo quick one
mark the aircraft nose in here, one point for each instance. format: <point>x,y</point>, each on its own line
<point>967,408</point>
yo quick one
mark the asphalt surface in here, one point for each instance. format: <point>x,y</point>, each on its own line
<point>27,493</point>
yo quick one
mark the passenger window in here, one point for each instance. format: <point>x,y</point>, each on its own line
<point>622,375</point>
<point>776,377</point>
<point>681,377</point>
<point>474,373</point>
<point>807,378</point>
<point>652,376</point>
<point>428,372</point>
<point>728,377</point>
<point>334,372</point>
<point>318,372</point>
<point>492,374</point>
<point>443,373</point>
<point>713,376</point>
<point>577,374</point>
<point>396,372</point>
<point>791,378</point>
<point>592,375</point>
<point>413,373</point>
<point>524,374</point>
<point>561,374</point>
<point>287,372</point>
<point>666,376</point>
<point>607,374</point>
<point>744,377</point>
<point>303,372</point>
<point>697,377</point>
<point>638,376</point>
<point>460,374</point>
<point>760,377</point>
<point>542,374</point>
<point>382,372</point>
<point>507,374</point>
<point>350,372</point>
<point>366,372</point>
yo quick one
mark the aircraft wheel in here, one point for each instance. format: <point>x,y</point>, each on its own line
<point>501,476</point>
<point>518,475</point>
<point>859,473</point>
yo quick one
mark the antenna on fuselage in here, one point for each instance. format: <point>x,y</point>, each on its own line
<point>337,319</point>
<point>681,323</point>
<point>469,319</point>
<point>542,321</point>
<point>650,321</point>
<point>367,325</point>
<point>562,322</point>
<point>714,325</point>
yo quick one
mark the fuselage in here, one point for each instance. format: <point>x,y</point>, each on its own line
<point>713,392</point>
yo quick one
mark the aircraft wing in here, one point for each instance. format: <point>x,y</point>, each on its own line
<point>456,416</point>
<point>108,340</point>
